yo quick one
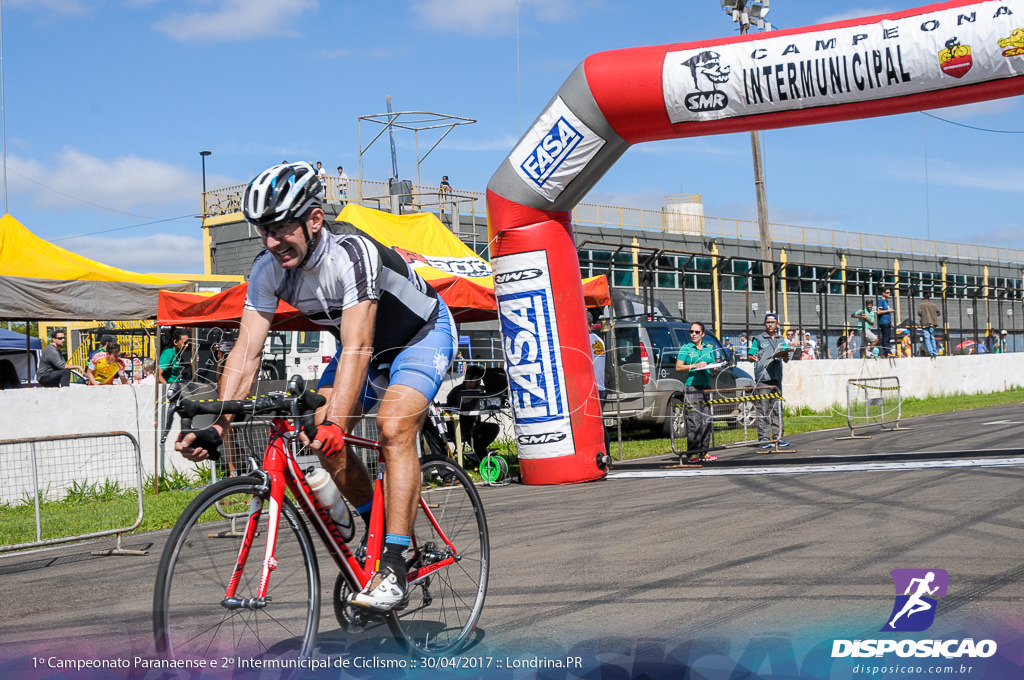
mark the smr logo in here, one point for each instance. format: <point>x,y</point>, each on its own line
<point>916,593</point>
<point>708,73</point>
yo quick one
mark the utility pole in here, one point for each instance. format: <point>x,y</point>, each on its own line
<point>745,15</point>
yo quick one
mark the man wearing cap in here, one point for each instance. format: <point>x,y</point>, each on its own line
<point>768,373</point>
<point>929,313</point>
<point>867,318</point>
<point>999,345</point>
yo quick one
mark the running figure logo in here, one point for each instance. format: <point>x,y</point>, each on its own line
<point>916,593</point>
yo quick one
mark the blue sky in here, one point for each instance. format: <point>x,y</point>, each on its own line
<point>108,103</point>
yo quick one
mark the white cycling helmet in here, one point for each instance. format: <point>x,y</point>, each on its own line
<point>281,193</point>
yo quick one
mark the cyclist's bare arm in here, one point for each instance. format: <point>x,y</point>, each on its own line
<point>240,370</point>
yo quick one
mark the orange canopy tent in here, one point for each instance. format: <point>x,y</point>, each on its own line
<point>462,277</point>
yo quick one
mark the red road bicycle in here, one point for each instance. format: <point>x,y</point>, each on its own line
<point>239,576</point>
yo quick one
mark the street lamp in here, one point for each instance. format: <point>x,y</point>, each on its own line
<point>746,13</point>
<point>203,155</point>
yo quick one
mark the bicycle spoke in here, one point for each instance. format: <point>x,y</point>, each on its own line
<point>446,604</point>
<point>190,620</point>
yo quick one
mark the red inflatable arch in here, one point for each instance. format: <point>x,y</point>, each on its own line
<point>940,55</point>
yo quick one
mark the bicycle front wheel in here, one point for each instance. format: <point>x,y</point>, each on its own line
<point>191,617</point>
<point>445,605</point>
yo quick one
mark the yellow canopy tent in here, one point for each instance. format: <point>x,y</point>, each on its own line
<point>462,277</point>
<point>41,281</point>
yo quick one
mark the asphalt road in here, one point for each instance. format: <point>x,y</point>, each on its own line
<point>753,564</point>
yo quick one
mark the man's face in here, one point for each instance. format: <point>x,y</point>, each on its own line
<point>771,325</point>
<point>887,294</point>
<point>286,241</point>
<point>59,339</point>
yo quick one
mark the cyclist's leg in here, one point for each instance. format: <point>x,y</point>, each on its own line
<point>416,375</point>
<point>348,470</point>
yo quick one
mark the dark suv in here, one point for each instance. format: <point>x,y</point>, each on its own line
<point>644,356</point>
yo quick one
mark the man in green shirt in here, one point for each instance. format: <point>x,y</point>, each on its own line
<point>694,359</point>
<point>867,319</point>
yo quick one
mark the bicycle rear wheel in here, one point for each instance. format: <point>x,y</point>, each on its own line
<point>444,607</point>
<point>190,617</point>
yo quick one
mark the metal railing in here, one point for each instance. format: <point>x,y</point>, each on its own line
<point>69,488</point>
<point>873,402</point>
<point>667,220</point>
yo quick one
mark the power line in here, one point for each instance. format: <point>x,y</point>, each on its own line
<point>971,127</point>
<point>80,200</point>
<point>133,226</point>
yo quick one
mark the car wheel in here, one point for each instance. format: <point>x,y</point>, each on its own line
<point>675,422</point>
<point>746,414</point>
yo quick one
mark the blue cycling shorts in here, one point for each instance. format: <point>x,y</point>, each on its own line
<point>422,365</point>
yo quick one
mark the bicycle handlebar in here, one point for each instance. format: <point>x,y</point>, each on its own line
<point>296,402</point>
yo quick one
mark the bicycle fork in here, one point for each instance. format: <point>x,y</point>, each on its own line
<point>275,478</point>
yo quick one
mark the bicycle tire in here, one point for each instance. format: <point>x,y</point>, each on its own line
<point>189,621</point>
<point>444,608</point>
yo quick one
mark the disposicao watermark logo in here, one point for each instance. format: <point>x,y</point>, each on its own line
<point>917,593</point>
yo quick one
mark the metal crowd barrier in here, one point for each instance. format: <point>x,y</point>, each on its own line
<point>70,488</point>
<point>736,406</point>
<point>873,402</point>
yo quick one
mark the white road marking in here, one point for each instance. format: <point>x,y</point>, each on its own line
<point>1003,422</point>
<point>808,469</point>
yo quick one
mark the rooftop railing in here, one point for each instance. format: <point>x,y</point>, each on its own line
<point>682,215</point>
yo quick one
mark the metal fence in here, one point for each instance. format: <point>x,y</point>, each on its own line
<point>69,488</point>
<point>734,417</point>
<point>873,402</point>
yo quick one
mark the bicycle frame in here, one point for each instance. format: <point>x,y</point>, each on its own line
<point>283,472</point>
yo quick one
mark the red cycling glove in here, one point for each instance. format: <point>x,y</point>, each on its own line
<point>331,438</point>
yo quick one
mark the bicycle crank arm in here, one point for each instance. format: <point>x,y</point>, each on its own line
<point>244,603</point>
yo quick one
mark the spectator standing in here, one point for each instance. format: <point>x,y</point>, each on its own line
<point>809,347</point>
<point>929,314</point>
<point>741,347</point>
<point>106,367</point>
<point>768,350</point>
<point>597,356</point>
<point>867,319</point>
<point>886,326</point>
<point>170,359</point>
<point>695,358</point>
<point>105,342</point>
<point>53,370</point>
<point>445,187</point>
<point>342,185</point>
<point>1000,343</point>
<point>321,175</point>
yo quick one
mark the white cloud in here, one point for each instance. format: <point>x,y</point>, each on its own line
<point>986,108</point>
<point>237,20</point>
<point>955,174</point>
<point>155,253</point>
<point>74,180</point>
<point>491,17</point>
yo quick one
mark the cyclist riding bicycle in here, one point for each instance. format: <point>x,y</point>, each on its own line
<point>382,313</point>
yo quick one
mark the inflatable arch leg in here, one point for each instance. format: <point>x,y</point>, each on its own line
<point>940,55</point>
